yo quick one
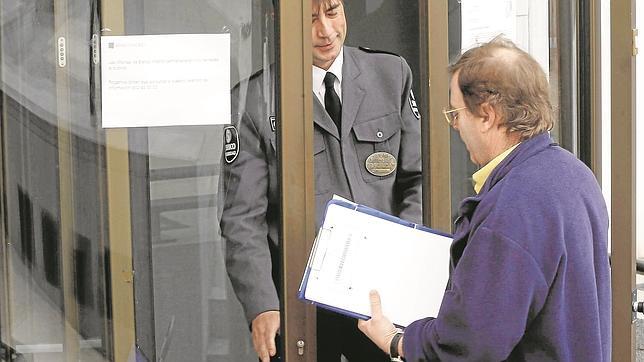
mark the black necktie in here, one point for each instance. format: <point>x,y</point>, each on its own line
<point>332,101</point>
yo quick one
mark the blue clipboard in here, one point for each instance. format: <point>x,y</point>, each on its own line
<point>359,248</point>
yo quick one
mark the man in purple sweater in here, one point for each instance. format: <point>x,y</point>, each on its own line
<point>530,278</point>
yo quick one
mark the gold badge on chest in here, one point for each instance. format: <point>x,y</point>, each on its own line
<point>381,163</point>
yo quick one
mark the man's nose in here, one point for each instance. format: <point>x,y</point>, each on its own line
<point>325,29</point>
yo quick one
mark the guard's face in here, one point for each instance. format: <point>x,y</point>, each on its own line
<point>467,124</point>
<point>329,30</point>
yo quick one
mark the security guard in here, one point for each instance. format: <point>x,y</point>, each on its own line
<point>367,149</point>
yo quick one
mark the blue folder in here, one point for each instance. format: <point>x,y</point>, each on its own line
<point>359,248</point>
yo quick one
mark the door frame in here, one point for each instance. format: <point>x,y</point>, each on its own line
<point>623,207</point>
<point>297,195</point>
<point>119,213</point>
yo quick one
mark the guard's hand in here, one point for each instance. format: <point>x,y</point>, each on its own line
<point>379,329</point>
<point>264,328</point>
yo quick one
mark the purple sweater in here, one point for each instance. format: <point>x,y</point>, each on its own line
<point>530,278</point>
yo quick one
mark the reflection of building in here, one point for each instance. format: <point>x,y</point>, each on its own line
<point>28,72</point>
<point>37,255</point>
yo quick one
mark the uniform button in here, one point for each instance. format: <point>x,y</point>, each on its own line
<point>379,134</point>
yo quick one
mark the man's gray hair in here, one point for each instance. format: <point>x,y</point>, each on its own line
<point>510,80</point>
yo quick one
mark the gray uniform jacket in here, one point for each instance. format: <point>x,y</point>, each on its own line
<point>379,114</point>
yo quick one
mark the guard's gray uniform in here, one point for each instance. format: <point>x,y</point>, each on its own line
<point>379,114</point>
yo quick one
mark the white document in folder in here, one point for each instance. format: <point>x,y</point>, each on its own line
<point>359,249</point>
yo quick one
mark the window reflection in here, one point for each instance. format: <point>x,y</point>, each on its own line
<point>55,297</point>
<point>46,309</point>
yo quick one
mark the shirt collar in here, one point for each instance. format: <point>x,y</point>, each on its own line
<point>480,176</point>
<point>335,68</point>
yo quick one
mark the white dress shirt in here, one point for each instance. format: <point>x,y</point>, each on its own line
<point>318,78</point>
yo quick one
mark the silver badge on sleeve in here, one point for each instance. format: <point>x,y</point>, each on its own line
<point>231,144</point>
<point>271,120</point>
<point>381,163</point>
<point>413,104</point>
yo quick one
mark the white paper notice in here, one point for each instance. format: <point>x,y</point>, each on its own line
<point>165,80</point>
<point>483,20</point>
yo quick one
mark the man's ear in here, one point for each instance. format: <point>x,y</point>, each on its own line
<point>490,117</point>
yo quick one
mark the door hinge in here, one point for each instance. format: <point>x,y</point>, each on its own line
<point>61,52</point>
<point>95,52</point>
<point>636,307</point>
<point>635,50</point>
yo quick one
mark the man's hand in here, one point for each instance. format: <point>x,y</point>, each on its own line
<point>379,329</point>
<point>264,328</point>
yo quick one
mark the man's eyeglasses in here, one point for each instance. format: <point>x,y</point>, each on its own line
<point>451,114</point>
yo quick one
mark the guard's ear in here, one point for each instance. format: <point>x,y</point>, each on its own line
<point>491,117</point>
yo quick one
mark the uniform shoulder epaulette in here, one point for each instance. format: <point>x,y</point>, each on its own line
<point>376,51</point>
<point>251,78</point>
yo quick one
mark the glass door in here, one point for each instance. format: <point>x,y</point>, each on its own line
<point>112,248</point>
<point>54,246</point>
<point>184,178</point>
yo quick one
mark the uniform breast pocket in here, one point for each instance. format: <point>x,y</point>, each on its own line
<point>377,142</point>
<point>321,165</point>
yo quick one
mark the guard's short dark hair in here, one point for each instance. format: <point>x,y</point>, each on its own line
<point>511,81</point>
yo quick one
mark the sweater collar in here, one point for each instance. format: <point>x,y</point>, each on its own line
<point>522,152</point>
<point>479,177</point>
